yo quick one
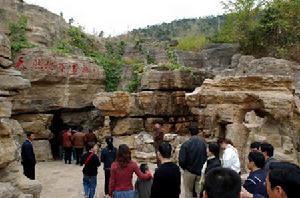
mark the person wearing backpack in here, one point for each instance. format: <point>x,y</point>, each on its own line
<point>91,163</point>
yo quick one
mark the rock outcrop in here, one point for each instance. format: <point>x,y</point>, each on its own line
<point>63,87</point>
<point>44,27</point>
<point>214,58</point>
<point>222,106</point>
<point>12,181</point>
<point>131,116</point>
<point>162,99</point>
<point>57,82</point>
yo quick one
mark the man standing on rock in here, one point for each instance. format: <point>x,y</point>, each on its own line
<point>28,157</point>
<point>192,156</point>
<point>158,138</point>
<point>78,143</point>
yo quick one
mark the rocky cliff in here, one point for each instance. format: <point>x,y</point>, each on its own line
<point>12,182</point>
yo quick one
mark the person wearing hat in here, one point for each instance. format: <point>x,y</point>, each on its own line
<point>108,156</point>
<point>28,157</point>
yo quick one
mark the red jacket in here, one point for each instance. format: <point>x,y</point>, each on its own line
<point>67,141</point>
<point>121,178</point>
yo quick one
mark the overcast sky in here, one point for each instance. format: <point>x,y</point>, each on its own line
<point>118,16</point>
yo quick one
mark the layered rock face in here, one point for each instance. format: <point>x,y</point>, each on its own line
<point>60,86</point>
<point>248,108</point>
<point>57,82</point>
<point>162,99</point>
<point>249,65</point>
<point>12,182</point>
<point>44,27</point>
<point>214,58</point>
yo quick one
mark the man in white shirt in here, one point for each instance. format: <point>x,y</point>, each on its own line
<point>230,158</point>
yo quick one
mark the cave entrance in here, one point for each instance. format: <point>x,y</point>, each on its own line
<point>77,119</point>
<point>57,126</point>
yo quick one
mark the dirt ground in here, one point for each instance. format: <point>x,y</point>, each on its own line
<point>61,180</point>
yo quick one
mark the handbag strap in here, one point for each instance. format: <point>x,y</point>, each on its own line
<point>88,159</point>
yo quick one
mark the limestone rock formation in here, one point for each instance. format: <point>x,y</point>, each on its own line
<point>57,82</point>
<point>5,52</point>
<point>162,78</point>
<point>162,99</point>
<point>11,83</point>
<point>44,27</point>
<point>38,124</point>
<point>248,65</point>
<point>214,58</point>
<point>222,104</point>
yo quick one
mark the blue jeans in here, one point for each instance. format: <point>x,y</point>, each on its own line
<point>123,194</point>
<point>89,185</point>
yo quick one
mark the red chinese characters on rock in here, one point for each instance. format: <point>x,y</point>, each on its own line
<point>43,64</point>
<point>20,65</point>
<point>48,65</point>
<point>74,69</point>
<point>85,70</point>
<point>61,67</point>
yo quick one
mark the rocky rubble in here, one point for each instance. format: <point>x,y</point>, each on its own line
<point>12,182</point>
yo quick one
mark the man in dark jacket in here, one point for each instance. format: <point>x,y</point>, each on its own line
<point>167,177</point>
<point>268,151</point>
<point>256,181</point>
<point>90,170</point>
<point>192,156</point>
<point>28,157</point>
<point>108,156</point>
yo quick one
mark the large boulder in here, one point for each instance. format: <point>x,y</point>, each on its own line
<point>38,124</point>
<point>189,58</point>
<point>145,103</point>
<point>218,57</point>
<point>57,82</point>
<point>42,150</point>
<point>11,80</point>
<point>248,65</point>
<point>162,78</point>
<point>128,126</point>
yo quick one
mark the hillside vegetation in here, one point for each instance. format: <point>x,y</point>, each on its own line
<point>263,27</point>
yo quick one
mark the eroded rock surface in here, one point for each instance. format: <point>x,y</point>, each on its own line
<point>222,104</point>
<point>57,82</point>
<point>12,181</point>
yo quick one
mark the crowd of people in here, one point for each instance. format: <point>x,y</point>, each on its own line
<point>210,170</point>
